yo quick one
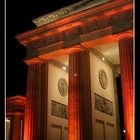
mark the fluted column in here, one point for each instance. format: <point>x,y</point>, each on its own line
<point>16,127</point>
<point>35,122</point>
<point>32,107</point>
<point>126,68</point>
<point>79,100</point>
<point>44,100</point>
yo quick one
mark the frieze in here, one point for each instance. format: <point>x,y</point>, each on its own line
<point>50,48</point>
<point>71,36</point>
<point>119,22</point>
<point>114,20</point>
<point>31,53</point>
<point>95,35</point>
<point>46,41</point>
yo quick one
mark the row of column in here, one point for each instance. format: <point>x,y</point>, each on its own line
<point>35,122</point>
<point>79,98</point>
<point>16,126</point>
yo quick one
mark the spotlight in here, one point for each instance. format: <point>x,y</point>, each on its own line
<point>64,68</point>
<point>124,131</point>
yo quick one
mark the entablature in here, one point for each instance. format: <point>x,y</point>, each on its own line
<point>109,8</point>
<point>92,26</point>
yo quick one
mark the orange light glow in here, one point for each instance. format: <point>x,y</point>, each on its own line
<point>126,67</point>
<point>99,41</point>
<point>128,34</point>
<point>66,27</point>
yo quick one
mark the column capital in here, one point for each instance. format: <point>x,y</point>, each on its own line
<point>13,114</point>
<point>77,48</point>
<point>33,61</point>
<point>124,35</point>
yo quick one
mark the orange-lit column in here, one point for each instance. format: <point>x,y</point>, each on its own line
<point>35,121</point>
<point>16,127</point>
<point>44,100</point>
<point>79,100</point>
<point>33,103</point>
<point>126,67</point>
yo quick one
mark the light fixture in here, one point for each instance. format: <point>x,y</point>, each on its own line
<point>124,131</point>
<point>64,68</point>
<point>103,59</point>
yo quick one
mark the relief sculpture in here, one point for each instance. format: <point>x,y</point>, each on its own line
<point>59,110</point>
<point>103,105</point>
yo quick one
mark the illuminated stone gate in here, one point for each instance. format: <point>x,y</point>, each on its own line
<point>74,31</point>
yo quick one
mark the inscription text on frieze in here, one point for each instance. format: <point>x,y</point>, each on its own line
<point>68,10</point>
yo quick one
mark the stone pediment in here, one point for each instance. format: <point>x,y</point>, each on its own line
<point>66,11</point>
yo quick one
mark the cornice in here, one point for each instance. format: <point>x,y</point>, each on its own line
<point>66,11</point>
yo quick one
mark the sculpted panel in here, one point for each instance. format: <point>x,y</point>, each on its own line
<point>59,110</point>
<point>103,105</point>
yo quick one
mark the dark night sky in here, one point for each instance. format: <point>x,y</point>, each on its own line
<point>19,15</point>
